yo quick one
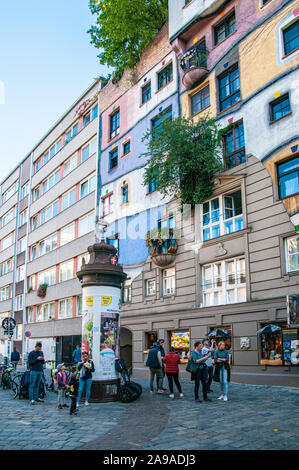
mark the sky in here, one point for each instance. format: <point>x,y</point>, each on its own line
<point>46,63</point>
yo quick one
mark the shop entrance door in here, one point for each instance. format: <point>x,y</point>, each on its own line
<point>125,341</point>
<point>65,348</point>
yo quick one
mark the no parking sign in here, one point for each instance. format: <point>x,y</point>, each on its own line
<point>27,334</point>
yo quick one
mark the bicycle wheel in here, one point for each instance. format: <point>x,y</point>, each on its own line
<point>14,388</point>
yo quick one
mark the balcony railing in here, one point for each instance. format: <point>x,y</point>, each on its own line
<point>194,64</point>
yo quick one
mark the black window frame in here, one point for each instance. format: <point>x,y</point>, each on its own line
<point>166,112</point>
<point>225,23</point>
<point>128,142</point>
<point>166,72</point>
<point>114,124</point>
<point>228,156</point>
<point>277,101</point>
<point>232,94</point>
<point>144,92</point>
<point>200,93</point>
<point>296,171</point>
<point>112,155</point>
<point>284,31</point>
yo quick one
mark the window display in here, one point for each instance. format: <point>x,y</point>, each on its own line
<point>271,343</point>
<point>227,338</point>
<point>180,341</point>
<point>290,346</point>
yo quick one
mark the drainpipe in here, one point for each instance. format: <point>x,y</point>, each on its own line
<point>98,173</point>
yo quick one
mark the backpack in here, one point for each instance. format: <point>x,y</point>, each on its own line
<point>152,359</point>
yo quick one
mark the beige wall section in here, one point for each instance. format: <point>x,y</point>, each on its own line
<point>73,326</point>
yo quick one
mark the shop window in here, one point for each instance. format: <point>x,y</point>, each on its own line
<point>271,346</point>
<point>229,88</point>
<point>222,215</point>
<point>280,107</point>
<point>234,146</point>
<point>113,159</point>
<point>288,177</point>
<point>114,124</point>
<point>225,28</point>
<point>200,100</point>
<point>146,92</point>
<point>291,38</point>
<point>292,254</point>
<point>165,76</point>
<point>227,338</point>
<point>180,341</point>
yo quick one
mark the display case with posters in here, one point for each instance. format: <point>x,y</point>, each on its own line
<point>290,346</point>
<point>180,341</point>
<point>271,346</point>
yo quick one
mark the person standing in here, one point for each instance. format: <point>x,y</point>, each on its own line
<point>154,362</point>
<point>209,366</point>
<point>14,358</point>
<point>222,369</point>
<point>62,382</point>
<point>86,368</point>
<point>73,388</point>
<point>35,364</point>
<point>162,351</point>
<point>77,354</point>
<point>198,359</point>
<point>171,361</point>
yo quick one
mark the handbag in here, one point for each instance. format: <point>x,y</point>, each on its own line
<point>192,367</point>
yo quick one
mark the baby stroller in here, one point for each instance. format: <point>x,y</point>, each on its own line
<point>24,386</point>
<point>128,391</point>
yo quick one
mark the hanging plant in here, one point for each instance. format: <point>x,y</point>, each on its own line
<point>42,290</point>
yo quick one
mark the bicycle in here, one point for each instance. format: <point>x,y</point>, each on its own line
<point>6,379</point>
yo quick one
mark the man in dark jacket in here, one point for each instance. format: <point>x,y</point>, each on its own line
<point>154,362</point>
<point>15,357</point>
<point>162,351</point>
<point>35,364</point>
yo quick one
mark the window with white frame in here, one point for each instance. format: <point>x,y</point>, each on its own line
<point>68,199</point>
<point>65,308</point>
<point>168,278</point>
<point>47,245</point>
<point>222,215</point>
<point>30,315</point>
<point>67,234</point>
<point>10,192</point>
<point>150,287</point>
<point>7,242</point>
<point>4,293</point>
<point>7,217</point>
<point>5,267</point>
<point>292,254</point>
<point>24,190</point>
<point>19,302</point>
<point>32,252</point>
<point>89,150</point>
<point>87,186</point>
<point>224,282</point>
<point>107,204</point>
<point>127,291</point>
<point>47,277</point>
<point>86,257</point>
<point>45,312</point>
<point>49,182</point>
<point>34,222</point>
<point>23,217</point>
<point>32,282</point>
<point>79,305</point>
<point>22,244</point>
<point>71,133</point>
<point>66,271</point>
<point>21,273</point>
<point>86,224</point>
<point>70,165</point>
<point>35,193</point>
<point>48,213</point>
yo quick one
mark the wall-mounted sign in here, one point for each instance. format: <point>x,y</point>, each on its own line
<point>89,301</point>
<point>8,323</point>
<point>27,334</point>
<point>106,299</point>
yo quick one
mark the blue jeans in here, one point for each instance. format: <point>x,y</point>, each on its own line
<point>82,384</point>
<point>223,380</point>
<point>35,378</point>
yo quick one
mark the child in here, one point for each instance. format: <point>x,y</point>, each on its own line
<point>74,387</point>
<point>62,381</point>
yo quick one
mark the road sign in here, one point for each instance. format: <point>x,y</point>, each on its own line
<point>8,332</point>
<point>8,323</point>
<point>27,334</point>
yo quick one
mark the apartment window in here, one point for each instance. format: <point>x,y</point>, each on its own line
<point>50,181</point>
<point>34,222</point>
<point>200,100</point>
<point>10,192</point>
<point>146,92</point>
<point>288,177</point>
<point>48,213</point>
<point>127,147</point>
<point>19,302</point>
<point>234,146</point>
<point>79,306</point>
<point>68,199</point>
<point>114,242</point>
<point>7,242</point>
<point>36,194</point>
<point>225,28</point>
<point>87,186</point>
<point>22,243</point>
<point>67,234</point>
<point>5,268</point>
<point>229,88</point>
<point>291,38</point>
<point>292,254</point>
<point>107,204</point>
<point>32,252</point>
<point>70,165</point>
<point>66,271</point>
<point>86,224</point>
<point>71,133</point>
<point>86,119</point>
<point>222,215</point>
<point>158,121</point>
<point>65,308</point>
<point>21,273</point>
<point>114,124</point>
<point>4,293</point>
<point>23,218</point>
<point>127,291</point>
<point>280,107</point>
<point>89,150</point>
<point>86,257</point>
<point>38,165</point>
<point>165,76</point>
<point>94,112</point>
<point>7,217</point>
<point>47,277</point>
<point>45,312</point>
<point>150,287</point>
<point>47,245</point>
<point>153,185</point>
<point>168,278</point>
<point>30,315</point>
<point>24,190</point>
<point>125,194</point>
<point>32,282</point>
<point>224,282</point>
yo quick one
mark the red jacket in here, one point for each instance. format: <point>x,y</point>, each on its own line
<point>171,361</point>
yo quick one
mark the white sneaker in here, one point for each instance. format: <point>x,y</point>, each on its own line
<point>221,397</point>
<point>152,392</point>
<point>77,405</point>
<point>181,395</point>
<point>171,395</point>
<point>225,398</point>
<point>86,403</point>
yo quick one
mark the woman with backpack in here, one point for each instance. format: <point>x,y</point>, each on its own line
<point>62,382</point>
<point>171,361</point>
<point>154,362</point>
<point>86,368</point>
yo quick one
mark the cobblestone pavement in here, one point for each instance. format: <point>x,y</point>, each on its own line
<point>255,417</point>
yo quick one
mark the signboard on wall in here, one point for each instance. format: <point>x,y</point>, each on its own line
<point>293,310</point>
<point>290,346</point>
